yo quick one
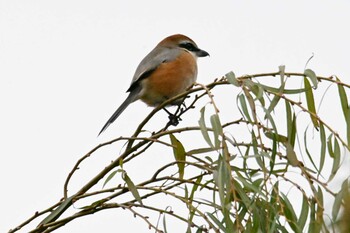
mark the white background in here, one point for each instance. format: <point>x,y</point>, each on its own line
<point>65,67</point>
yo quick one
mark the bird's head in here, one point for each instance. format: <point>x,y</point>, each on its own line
<point>183,42</point>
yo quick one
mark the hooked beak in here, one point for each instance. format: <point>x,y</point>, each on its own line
<point>202,53</point>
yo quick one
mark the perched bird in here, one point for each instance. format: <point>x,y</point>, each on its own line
<point>168,70</point>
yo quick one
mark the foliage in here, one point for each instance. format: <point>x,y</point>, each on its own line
<point>264,170</point>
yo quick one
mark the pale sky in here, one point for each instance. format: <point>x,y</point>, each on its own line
<point>65,67</point>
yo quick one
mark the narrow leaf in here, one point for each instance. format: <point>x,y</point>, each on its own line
<point>336,206</point>
<point>109,178</point>
<point>273,104</point>
<point>320,208</point>
<point>304,212</point>
<point>217,129</point>
<point>242,194</point>
<point>231,78</point>
<point>289,213</point>
<point>311,74</point>
<point>284,91</point>
<point>164,224</point>
<point>307,149</point>
<point>258,92</point>
<point>132,188</point>
<point>346,110</point>
<point>273,155</point>
<point>179,154</point>
<point>282,69</point>
<point>343,99</point>
<point>216,221</point>
<point>277,137</point>
<point>200,151</point>
<point>311,103</point>
<point>291,124</point>
<point>323,147</point>
<point>222,176</point>
<point>314,227</point>
<point>251,103</point>
<point>195,187</point>
<point>204,128</point>
<point>58,211</point>
<point>291,155</point>
<point>336,159</point>
<point>244,107</point>
<point>256,152</point>
<point>276,98</point>
<point>338,199</point>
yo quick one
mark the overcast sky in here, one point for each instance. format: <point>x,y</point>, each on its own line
<point>65,67</point>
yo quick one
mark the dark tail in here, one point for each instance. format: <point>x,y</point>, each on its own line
<point>131,98</point>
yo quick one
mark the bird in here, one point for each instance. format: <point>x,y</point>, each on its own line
<point>168,70</point>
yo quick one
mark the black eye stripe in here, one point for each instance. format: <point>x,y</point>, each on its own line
<point>189,46</point>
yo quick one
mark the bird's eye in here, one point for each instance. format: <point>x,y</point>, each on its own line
<point>189,46</point>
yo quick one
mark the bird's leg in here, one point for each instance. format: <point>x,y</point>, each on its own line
<point>173,118</point>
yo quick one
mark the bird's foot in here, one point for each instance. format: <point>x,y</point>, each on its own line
<point>174,119</point>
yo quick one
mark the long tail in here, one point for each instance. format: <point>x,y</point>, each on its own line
<point>131,98</point>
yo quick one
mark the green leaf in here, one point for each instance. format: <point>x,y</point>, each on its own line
<point>244,107</point>
<point>258,91</point>
<point>320,208</point>
<point>304,212</point>
<point>276,98</point>
<point>277,137</point>
<point>273,155</point>
<point>336,159</point>
<point>247,185</point>
<point>222,177</point>
<point>270,120</point>
<point>195,187</point>
<point>204,128</point>
<point>257,155</point>
<point>273,104</point>
<point>284,91</point>
<point>346,110</point>
<point>200,151</point>
<point>229,227</point>
<point>217,129</point>
<point>93,205</point>
<point>282,69</point>
<point>246,200</point>
<point>336,206</point>
<point>348,129</point>
<point>311,103</point>
<point>343,99</point>
<point>231,78</point>
<point>257,221</point>
<point>289,213</point>
<point>164,224</point>
<point>58,211</point>
<point>291,124</point>
<point>291,155</point>
<point>307,150</point>
<point>109,178</point>
<point>251,103</point>
<point>338,199</point>
<point>323,147</point>
<point>312,76</point>
<point>314,226</point>
<point>132,188</point>
<point>217,221</point>
<point>274,194</point>
<point>179,154</point>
